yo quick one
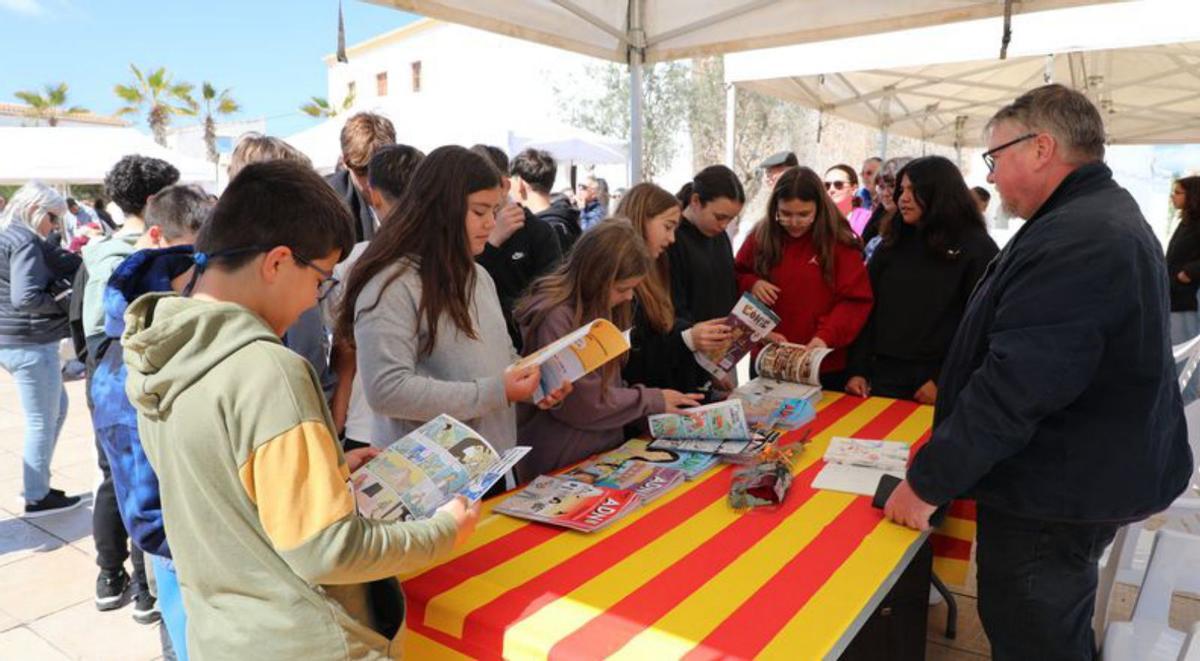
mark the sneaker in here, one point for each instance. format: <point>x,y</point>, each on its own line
<point>145,608</point>
<point>111,589</point>
<point>56,501</point>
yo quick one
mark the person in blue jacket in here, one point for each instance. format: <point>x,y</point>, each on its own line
<point>1057,406</point>
<point>181,210</point>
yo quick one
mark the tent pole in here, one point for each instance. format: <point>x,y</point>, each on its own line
<point>883,141</point>
<point>730,121</point>
<point>637,56</point>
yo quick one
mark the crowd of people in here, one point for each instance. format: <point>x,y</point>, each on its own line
<point>245,353</point>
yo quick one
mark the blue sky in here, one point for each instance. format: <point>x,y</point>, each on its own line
<point>268,51</point>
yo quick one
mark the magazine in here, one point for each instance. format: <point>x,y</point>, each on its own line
<point>643,478</point>
<point>854,465</point>
<point>575,354</point>
<point>794,363</point>
<point>426,468</point>
<point>722,420</point>
<point>750,321</point>
<point>691,463</point>
<point>569,503</point>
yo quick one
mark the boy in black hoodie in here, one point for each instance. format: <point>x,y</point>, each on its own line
<point>533,172</point>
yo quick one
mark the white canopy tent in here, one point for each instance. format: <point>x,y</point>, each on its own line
<point>1139,62</point>
<point>638,31</point>
<point>84,154</point>
<point>426,127</point>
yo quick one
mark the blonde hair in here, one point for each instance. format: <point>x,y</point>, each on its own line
<point>640,204</point>
<point>604,255</point>
<point>256,148</point>
<point>361,135</point>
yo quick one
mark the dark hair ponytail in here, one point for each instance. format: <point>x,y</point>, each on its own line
<point>714,181</point>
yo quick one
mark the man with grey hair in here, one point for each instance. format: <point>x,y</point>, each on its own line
<point>1057,407</point>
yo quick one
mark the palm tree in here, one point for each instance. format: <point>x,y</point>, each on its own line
<point>320,107</point>
<point>49,107</point>
<point>161,98</point>
<point>215,103</point>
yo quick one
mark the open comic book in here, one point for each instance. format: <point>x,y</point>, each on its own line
<point>719,429</point>
<point>569,503</point>
<point>854,465</point>
<point>750,321</point>
<point>575,354</point>
<point>426,468</point>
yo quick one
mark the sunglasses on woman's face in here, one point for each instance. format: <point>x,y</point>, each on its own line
<point>836,185</point>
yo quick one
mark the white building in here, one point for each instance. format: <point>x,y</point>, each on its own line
<point>189,141</point>
<point>461,85</point>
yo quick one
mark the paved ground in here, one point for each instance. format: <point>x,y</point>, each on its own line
<point>48,569</point>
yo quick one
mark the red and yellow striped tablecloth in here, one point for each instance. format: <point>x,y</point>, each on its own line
<point>685,576</point>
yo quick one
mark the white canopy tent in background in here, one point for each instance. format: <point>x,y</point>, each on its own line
<point>638,31</point>
<point>1127,57</point>
<point>427,128</point>
<point>84,154</point>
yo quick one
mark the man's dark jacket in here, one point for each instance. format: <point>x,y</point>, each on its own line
<point>1058,399</point>
<point>364,221</point>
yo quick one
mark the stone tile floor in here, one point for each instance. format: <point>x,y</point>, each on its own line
<point>48,569</point>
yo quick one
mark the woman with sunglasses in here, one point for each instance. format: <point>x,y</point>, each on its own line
<point>803,260</point>
<point>34,291</point>
<point>841,182</point>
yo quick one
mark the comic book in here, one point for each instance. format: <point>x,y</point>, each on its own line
<point>643,478</point>
<point>575,354</point>
<point>691,463</point>
<point>722,420</point>
<point>750,321</point>
<point>426,468</point>
<point>854,465</point>
<point>569,503</point>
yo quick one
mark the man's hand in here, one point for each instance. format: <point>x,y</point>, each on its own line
<point>906,508</point>
<point>357,457</point>
<point>508,220</point>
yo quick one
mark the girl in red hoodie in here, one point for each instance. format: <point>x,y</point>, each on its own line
<point>804,261</point>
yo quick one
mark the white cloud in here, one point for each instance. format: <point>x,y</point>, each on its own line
<point>27,7</point>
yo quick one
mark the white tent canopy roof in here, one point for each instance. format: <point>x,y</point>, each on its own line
<point>83,154</point>
<point>427,127</point>
<point>674,29</point>
<point>1139,62</point>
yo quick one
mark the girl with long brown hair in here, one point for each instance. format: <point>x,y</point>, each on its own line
<point>426,319</point>
<point>662,347</point>
<point>804,261</point>
<point>598,280</point>
<point>1183,260</point>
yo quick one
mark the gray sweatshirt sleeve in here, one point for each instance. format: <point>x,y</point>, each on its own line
<point>388,344</point>
<point>30,279</point>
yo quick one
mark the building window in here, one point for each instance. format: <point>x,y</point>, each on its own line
<point>351,90</point>
<point>381,84</point>
<point>416,76</point>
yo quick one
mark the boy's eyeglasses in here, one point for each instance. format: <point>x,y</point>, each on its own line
<point>836,185</point>
<point>989,156</point>
<point>328,281</point>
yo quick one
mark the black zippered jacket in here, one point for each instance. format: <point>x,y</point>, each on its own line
<point>1058,399</point>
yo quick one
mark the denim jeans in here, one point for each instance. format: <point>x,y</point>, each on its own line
<point>38,374</point>
<point>1037,585</point>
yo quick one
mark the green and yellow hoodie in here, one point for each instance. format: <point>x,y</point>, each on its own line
<point>273,559</point>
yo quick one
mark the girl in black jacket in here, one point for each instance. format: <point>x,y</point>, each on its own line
<point>1183,260</point>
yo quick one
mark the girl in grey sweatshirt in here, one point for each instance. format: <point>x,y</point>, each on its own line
<point>598,280</point>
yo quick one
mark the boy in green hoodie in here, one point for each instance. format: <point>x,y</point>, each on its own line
<point>273,560</point>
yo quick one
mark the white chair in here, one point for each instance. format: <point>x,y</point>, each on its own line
<point>1130,551</point>
<point>1172,568</point>
<point>1191,646</point>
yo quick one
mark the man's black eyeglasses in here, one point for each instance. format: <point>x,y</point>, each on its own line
<point>989,156</point>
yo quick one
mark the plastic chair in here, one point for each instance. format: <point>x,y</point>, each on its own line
<point>1191,646</point>
<point>1172,568</point>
